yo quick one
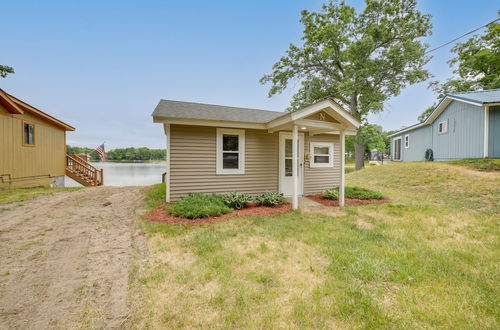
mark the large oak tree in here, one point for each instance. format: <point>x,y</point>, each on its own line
<point>358,58</point>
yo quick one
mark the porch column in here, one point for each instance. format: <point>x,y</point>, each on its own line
<point>295,142</point>
<point>167,176</point>
<point>342,169</point>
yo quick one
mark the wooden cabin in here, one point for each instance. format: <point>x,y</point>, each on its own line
<point>33,148</point>
<point>217,149</point>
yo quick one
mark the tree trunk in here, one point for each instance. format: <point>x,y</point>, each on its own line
<point>359,149</point>
<point>359,154</point>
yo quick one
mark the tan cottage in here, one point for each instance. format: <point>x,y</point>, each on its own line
<point>216,149</point>
<point>33,148</point>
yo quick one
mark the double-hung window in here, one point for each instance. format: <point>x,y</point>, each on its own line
<point>28,134</point>
<point>230,151</point>
<point>321,154</point>
<point>407,141</point>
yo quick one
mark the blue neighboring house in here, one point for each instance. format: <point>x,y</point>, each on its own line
<point>463,125</point>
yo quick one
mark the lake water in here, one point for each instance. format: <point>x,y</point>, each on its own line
<point>127,174</point>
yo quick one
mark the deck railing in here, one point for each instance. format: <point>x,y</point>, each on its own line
<point>85,173</point>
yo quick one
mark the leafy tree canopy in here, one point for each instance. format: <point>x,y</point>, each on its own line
<point>372,137</point>
<point>5,70</point>
<point>121,154</point>
<point>360,59</point>
<point>477,63</point>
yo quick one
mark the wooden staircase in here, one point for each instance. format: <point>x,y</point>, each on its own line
<point>82,172</point>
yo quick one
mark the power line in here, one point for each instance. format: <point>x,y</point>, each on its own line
<point>463,35</point>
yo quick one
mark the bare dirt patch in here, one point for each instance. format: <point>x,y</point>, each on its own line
<point>65,259</point>
<point>348,201</point>
<point>161,215</point>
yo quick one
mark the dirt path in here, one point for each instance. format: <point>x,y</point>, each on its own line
<point>65,259</point>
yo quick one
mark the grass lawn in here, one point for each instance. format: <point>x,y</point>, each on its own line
<point>430,259</point>
<point>481,164</point>
<point>22,194</point>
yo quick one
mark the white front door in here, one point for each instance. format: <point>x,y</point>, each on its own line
<point>285,163</point>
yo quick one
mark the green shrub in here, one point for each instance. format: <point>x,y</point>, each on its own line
<point>331,193</point>
<point>270,199</point>
<point>236,200</point>
<point>353,192</point>
<point>196,206</point>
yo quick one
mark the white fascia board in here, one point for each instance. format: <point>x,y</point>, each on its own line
<point>333,109</point>
<point>407,129</point>
<point>285,119</point>
<point>465,101</point>
<point>338,112</point>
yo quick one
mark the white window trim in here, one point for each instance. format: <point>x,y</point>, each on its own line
<point>330,154</point>
<point>407,142</point>
<point>241,151</point>
<point>445,127</point>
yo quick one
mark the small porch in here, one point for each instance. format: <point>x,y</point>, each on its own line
<point>323,118</point>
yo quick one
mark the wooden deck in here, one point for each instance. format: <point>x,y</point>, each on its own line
<point>82,172</point>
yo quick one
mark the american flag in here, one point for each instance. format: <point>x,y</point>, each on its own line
<point>101,152</point>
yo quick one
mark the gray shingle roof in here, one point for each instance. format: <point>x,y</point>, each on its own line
<point>191,110</point>
<point>487,96</point>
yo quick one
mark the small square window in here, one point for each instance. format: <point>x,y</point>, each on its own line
<point>28,134</point>
<point>443,126</point>
<point>321,154</point>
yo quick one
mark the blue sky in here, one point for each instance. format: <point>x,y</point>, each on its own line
<point>102,66</point>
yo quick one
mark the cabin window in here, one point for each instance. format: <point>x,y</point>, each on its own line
<point>28,134</point>
<point>321,154</point>
<point>443,126</point>
<point>230,151</point>
<point>407,141</point>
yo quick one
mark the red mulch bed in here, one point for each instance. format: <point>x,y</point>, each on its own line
<point>348,201</point>
<point>159,214</point>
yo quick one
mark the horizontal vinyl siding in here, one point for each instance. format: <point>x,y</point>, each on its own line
<point>318,179</point>
<point>193,162</point>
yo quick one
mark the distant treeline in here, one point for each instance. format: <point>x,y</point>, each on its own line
<point>122,154</point>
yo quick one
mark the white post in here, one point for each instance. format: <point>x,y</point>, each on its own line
<point>342,169</point>
<point>295,142</point>
<point>167,177</point>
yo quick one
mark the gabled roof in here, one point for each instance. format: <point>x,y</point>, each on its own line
<point>208,114</point>
<point>192,110</point>
<point>8,104</point>
<point>15,106</point>
<point>478,98</point>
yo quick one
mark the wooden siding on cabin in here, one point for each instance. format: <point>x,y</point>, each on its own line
<point>193,163</point>
<point>29,165</point>
<point>464,138</point>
